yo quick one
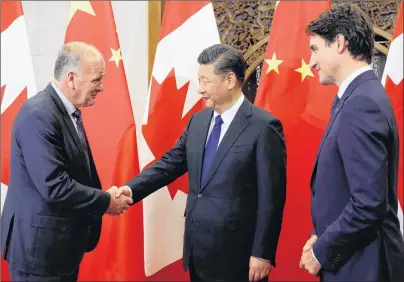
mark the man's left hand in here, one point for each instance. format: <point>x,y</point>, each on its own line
<point>309,263</point>
<point>259,268</point>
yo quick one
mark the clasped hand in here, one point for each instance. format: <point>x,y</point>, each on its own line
<point>121,199</point>
<point>308,261</point>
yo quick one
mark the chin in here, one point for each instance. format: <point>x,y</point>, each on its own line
<point>208,104</point>
<point>89,103</point>
<point>326,81</point>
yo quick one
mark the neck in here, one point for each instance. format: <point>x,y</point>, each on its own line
<point>222,108</point>
<point>347,69</point>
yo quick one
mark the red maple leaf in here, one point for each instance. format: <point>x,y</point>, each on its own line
<point>165,122</point>
<point>7,119</point>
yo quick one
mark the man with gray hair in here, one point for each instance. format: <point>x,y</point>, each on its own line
<point>235,157</point>
<point>54,205</point>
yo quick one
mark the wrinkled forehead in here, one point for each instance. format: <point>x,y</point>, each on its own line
<point>94,64</point>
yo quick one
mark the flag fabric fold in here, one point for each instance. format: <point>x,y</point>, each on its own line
<point>111,132</point>
<point>392,79</point>
<point>290,90</point>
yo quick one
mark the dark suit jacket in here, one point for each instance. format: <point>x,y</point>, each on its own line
<point>354,188</point>
<point>238,212</point>
<point>52,212</point>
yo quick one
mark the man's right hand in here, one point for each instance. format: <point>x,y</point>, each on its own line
<point>118,205</point>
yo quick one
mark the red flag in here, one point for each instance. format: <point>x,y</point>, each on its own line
<point>17,84</point>
<point>393,81</point>
<point>111,132</point>
<point>187,28</point>
<point>291,91</point>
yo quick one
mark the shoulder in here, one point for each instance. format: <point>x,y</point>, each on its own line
<point>37,109</point>
<point>264,118</point>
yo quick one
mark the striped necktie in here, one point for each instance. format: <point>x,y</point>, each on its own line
<point>82,134</point>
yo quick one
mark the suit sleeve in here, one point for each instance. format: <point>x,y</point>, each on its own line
<point>362,137</point>
<point>271,180</point>
<point>169,167</point>
<point>39,137</point>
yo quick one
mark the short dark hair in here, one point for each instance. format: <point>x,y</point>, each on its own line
<point>225,59</point>
<point>350,21</point>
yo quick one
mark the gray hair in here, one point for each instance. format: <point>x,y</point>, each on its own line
<point>225,59</point>
<point>70,58</point>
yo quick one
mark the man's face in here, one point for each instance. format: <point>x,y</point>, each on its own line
<point>324,59</point>
<point>213,88</point>
<point>88,81</point>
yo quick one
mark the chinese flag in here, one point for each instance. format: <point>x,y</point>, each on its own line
<point>291,91</point>
<point>393,81</point>
<point>17,84</point>
<point>111,132</point>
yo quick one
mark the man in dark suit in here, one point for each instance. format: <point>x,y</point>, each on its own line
<point>235,157</point>
<point>53,208</point>
<point>354,183</point>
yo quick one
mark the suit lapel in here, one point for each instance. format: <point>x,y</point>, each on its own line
<point>202,131</point>
<point>367,75</point>
<point>66,118</point>
<point>237,126</point>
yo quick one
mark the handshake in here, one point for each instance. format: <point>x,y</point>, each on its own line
<point>121,199</point>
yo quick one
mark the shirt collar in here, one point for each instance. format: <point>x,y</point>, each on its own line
<point>350,78</point>
<point>68,105</point>
<point>228,115</point>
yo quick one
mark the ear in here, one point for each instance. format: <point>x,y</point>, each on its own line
<point>71,80</point>
<point>231,80</point>
<point>342,43</point>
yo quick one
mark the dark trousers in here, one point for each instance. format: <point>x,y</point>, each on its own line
<point>194,277</point>
<point>23,276</point>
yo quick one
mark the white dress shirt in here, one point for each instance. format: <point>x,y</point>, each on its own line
<point>344,85</point>
<point>227,117</point>
<point>70,108</point>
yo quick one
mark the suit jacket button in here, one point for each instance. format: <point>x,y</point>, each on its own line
<point>199,196</point>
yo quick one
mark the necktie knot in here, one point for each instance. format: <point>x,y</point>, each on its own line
<point>77,114</point>
<point>218,120</point>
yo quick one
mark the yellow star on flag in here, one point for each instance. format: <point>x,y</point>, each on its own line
<point>273,64</point>
<point>84,6</point>
<point>116,56</point>
<point>305,70</point>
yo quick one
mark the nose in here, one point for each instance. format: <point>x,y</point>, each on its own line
<point>101,87</point>
<point>312,62</point>
<point>200,90</point>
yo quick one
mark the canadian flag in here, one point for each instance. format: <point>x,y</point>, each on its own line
<point>17,83</point>
<point>188,27</point>
<point>392,79</point>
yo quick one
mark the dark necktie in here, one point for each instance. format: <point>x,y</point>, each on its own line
<point>211,147</point>
<point>334,105</point>
<point>82,134</point>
